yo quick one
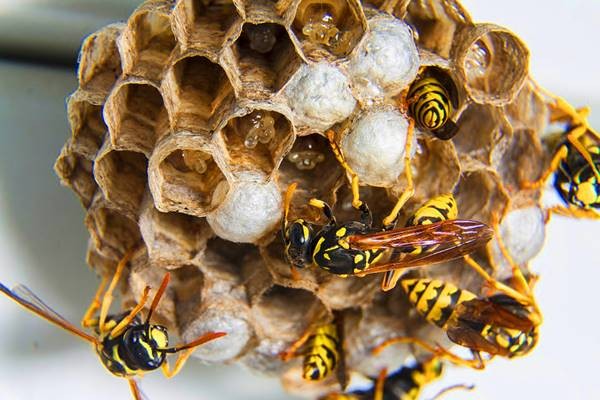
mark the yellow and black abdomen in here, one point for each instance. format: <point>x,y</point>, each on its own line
<point>434,299</point>
<point>135,350</point>
<point>323,352</point>
<point>430,103</point>
<point>575,179</point>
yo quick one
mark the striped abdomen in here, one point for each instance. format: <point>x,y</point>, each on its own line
<point>322,355</point>
<point>435,299</point>
<point>430,103</point>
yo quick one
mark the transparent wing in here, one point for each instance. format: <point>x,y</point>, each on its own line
<point>26,298</point>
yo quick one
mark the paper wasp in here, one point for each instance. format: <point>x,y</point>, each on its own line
<point>432,99</point>
<point>321,347</point>
<point>357,248</point>
<point>404,384</point>
<point>127,345</point>
<point>505,323</point>
<point>575,164</point>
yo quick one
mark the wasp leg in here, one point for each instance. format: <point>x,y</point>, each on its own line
<point>389,221</point>
<point>573,138</point>
<point>289,193</point>
<point>574,212</point>
<point>182,357</point>
<point>292,351</point>
<point>320,204</point>
<point>356,202</point>
<point>559,156</point>
<point>121,326</point>
<point>366,217</point>
<point>438,351</point>
<point>451,388</point>
<point>89,318</point>
<point>135,390</point>
<point>108,295</point>
<point>379,384</point>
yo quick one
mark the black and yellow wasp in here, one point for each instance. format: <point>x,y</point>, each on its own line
<point>321,347</point>
<point>357,248</point>
<point>126,345</point>
<point>505,323</point>
<point>406,383</point>
<point>432,99</point>
<point>575,164</point>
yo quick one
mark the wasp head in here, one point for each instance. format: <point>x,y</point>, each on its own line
<point>297,237</point>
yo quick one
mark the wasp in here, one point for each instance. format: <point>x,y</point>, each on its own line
<point>321,346</point>
<point>575,164</point>
<point>432,99</point>
<point>406,383</point>
<point>127,345</point>
<point>357,248</point>
<point>505,323</point>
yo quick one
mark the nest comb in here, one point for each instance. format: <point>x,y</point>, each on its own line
<point>191,119</point>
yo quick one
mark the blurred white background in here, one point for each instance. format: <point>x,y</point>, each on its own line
<point>43,241</point>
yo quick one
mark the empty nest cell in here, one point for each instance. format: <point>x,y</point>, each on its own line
<point>204,24</point>
<point>147,43</point>
<point>112,233</point>
<point>197,89</point>
<point>479,194</point>
<point>99,61</point>
<point>136,117</point>
<point>266,58</point>
<point>121,175</point>
<point>256,140</point>
<point>75,171</point>
<point>184,176</point>
<point>87,127</point>
<point>329,27</point>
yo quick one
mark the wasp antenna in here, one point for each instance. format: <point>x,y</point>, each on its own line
<point>158,295</point>
<point>201,340</point>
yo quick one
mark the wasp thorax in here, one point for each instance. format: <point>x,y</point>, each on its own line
<point>298,236</point>
<point>142,345</point>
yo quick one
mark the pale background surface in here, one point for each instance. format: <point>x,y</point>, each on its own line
<point>42,238</point>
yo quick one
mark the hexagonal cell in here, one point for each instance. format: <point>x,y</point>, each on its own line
<point>183,176</point>
<point>284,313</point>
<point>528,110</point>
<point>188,283</point>
<point>266,58</point>
<point>148,41</point>
<point>147,276</point>
<point>197,89</point>
<point>517,158</point>
<point>480,128</point>
<point>172,239</point>
<point>328,28</point>
<point>311,160</point>
<point>99,61</point>
<point>256,139</point>
<point>136,117</point>
<point>75,172</point>
<point>103,266</point>
<point>111,232</point>
<point>205,24</point>
<point>479,194</point>
<point>88,129</point>
<point>121,175</point>
<point>493,63</point>
<point>434,22</point>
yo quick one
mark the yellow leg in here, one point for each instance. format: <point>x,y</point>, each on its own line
<point>135,390</point>
<point>574,212</point>
<point>292,351</point>
<point>108,296</point>
<point>182,357</point>
<point>560,155</point>
<point>289,193</point>
<point>121,326</point>
<point>444,391</point>
<point>89,318</point>
<point>379,385</point>
<point>356,202</point>
<point>410,190</point>
<point>437,351</point>
<point>573,138</point>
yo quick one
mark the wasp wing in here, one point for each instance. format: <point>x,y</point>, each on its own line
<point>26,298</point>
<point>445,241</point>
<point>501,310</point>
<point>470,338</point>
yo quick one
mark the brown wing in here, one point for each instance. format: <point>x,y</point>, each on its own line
<point>498,310</point>
<point>470,338</point>
<point>26,298</point>
<point>448,240</point>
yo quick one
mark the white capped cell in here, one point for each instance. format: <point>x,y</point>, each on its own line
<point>374,147</point>
<point>319,96</point>
<point>387,60</point>
<point>250,209</point>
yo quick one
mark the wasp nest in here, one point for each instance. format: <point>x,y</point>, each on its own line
<point>193,117</point>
